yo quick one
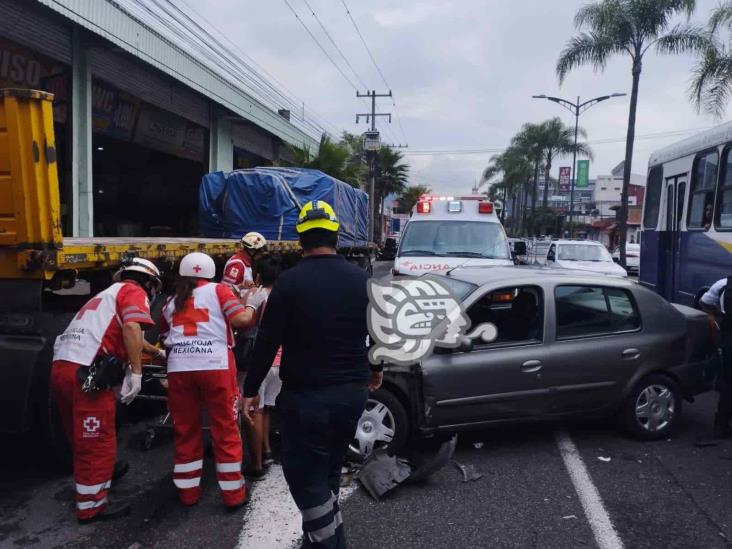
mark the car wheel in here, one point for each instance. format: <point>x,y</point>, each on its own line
<point>383,424</point>
<point>652,408</point>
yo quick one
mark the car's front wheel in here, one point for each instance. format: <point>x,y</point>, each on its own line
<point>383,424</point>
<point>652,409</point>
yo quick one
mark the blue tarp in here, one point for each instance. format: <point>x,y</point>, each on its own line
<point>267,200</point>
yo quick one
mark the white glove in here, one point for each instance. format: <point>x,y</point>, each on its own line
<point>161,353</point>
<point>131,386</point>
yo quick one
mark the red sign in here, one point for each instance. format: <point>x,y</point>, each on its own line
<point>565,173</point>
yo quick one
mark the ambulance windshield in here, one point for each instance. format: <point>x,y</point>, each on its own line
<point>452,238</point>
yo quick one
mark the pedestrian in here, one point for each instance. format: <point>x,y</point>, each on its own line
<point>88,361</point>
<point>317,313</point>
<point>717,301</point>
<point>238,270</point>
<point>267,270</point>
<point>196,323</point>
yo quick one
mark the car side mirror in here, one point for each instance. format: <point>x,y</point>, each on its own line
<point>519,248</point>
<point>466,345</point>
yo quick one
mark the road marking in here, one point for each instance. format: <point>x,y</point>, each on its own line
<point>602,527</point>
<point>273,520</point>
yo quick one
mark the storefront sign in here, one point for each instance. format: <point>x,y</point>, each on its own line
<point>168,133</point>
<point>583,173</point>
<point>564,175</point>
<point>113,111</point>
<point>26,69</point>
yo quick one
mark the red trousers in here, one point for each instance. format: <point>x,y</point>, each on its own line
<point>188,394</point>
<point>89,422</point>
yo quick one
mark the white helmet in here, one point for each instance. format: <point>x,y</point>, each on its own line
<point>197,265</point>
<point>253,241</point>
<point>139,265</point>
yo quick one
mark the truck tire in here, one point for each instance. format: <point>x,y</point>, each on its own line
<point>384,412</point>
<point>56,436</point>
<point>652,409</point>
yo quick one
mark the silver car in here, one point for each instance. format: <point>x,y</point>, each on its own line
<point>569,344</point>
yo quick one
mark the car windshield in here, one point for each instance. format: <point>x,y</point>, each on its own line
<point>455,239</point>
<point>460,288</point>
<point>583,252</point>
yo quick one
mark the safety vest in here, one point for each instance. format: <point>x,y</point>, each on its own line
<point>198,335</point>
<point>82,339</point>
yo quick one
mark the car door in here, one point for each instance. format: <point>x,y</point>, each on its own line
<point>496,381</point>
<point>597,346</point>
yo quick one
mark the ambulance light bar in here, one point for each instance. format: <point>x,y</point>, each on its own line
<point>432,198</point>
<point>454,206</point>
<point>424,206</point>
<point>485,208</point>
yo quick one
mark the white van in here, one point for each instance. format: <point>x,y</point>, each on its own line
<point>584,255</point>
<point>446,232</point>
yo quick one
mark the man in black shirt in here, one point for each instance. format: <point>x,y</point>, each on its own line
<point>317,313</point>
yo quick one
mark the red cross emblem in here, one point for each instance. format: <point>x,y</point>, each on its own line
<point>91,305</point>
<point>189,318</point>
<point>197,269</point>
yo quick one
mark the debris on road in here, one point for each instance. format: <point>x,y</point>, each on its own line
<point>470,473</point>
<point>604,459</point>
<point>477,445</point>
<point>382,473</point>
<point>570,517</point>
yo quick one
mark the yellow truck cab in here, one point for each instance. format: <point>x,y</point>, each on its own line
<point>44,276</point>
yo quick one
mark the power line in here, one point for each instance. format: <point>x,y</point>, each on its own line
<point>315,15</point>
<point>376,65</point>
<point>343,74</point>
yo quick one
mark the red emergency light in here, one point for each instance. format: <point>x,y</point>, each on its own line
<point>424,207</point>
<point>485,208</point>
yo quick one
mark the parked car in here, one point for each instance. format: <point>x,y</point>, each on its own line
<point>569,344</point>
<point>585,255</point>
<point>632,257</point>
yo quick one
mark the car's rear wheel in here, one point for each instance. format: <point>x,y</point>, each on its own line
<point>383,424</point>
<point>652,408</point>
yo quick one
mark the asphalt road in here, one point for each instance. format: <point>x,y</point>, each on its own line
<point>533,493</point>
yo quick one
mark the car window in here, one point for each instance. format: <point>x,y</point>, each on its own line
<point>455,238</point>
<point>703,184</point>
<point>583,252</point>
<point>593,310</point>
<point>516,311</point>
<point>653,197</point>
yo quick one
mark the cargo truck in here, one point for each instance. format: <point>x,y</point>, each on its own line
<point>45,277</point>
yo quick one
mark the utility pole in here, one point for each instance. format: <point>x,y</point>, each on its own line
<point>372,152</point>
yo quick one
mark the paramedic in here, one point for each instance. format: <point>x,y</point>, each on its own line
<point>238,270</point>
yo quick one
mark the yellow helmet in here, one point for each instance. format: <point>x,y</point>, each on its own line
<point>317,214</point>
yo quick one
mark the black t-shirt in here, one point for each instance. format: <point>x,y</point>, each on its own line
<point>317,312</point>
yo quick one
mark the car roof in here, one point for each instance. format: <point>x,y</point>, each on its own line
<point>527,274</point>
<point>567,241</point>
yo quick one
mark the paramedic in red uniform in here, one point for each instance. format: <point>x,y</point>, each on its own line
<point>197,324</point>
<point>238,270</point>
<point>109,324</point>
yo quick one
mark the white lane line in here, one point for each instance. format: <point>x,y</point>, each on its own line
<point>602,527</point>
<point>273,520</point>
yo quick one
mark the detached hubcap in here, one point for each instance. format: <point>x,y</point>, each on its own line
<point>375,429</point>
<point>655,408</point>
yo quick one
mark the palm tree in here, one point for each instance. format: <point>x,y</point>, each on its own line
<point>409,196</point>
<point>515,169</point>
<point>391,177</point>
<point>531,140</point>
<point>333,159</point>
<point>558,140</point>
<point>628,27</point>
<point>712,82</point>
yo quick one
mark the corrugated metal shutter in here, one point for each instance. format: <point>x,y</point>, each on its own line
<point>132,76</point>
<point>35,27</point>
<point>252,139</point>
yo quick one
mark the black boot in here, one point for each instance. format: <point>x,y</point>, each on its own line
<point>112,511</point>
<point>120,469</point>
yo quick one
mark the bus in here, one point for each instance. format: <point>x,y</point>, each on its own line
<point>687,218</point>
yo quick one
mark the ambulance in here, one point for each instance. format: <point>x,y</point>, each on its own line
<point>445,232</point>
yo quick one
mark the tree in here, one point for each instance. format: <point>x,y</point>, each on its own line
<point>531,140</point>
<point>558,140</point>
<point>391,177</point>
<point>335,159</point>
<point>712,81</point>
<point>409,196</point>
<point>514,167</point>
<point>628,27</point>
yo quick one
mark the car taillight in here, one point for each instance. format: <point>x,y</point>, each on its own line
<point>485,208</point>
<point>424,207</point>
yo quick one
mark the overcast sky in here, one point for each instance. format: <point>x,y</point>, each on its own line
<point>462,73</point>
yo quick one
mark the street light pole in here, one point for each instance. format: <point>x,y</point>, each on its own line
<point>576,109</point>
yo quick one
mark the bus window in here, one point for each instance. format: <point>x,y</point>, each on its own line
<point>653,197</point>
<point>701,197</point>
<point>724,199</point>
